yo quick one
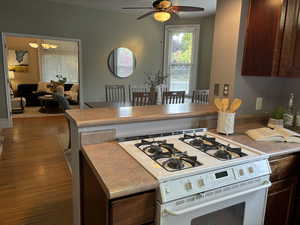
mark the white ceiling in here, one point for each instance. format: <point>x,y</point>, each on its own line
<point>117,5</point>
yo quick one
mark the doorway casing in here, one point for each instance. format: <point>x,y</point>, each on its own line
<point>9,122</point>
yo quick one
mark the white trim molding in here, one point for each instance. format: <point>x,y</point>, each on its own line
<point>195,29</point>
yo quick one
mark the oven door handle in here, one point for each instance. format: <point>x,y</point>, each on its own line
<point>265,185</point>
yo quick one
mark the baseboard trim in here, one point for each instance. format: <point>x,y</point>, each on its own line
<point>4,123</point>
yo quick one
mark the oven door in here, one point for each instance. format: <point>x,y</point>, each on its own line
<point>246,207</point>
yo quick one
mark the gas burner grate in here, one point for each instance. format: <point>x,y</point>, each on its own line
<point>167,156</point>
<point>210,146</point>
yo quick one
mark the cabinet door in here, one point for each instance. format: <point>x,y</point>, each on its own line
<point>139,209</point>
<point>290,55</point>
<point>280,203</point>
<point>264,37</point>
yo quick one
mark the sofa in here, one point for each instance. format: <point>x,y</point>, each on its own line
<point>30,93</point>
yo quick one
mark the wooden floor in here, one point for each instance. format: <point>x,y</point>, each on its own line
<point>35,183</point>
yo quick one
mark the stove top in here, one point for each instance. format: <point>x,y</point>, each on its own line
<point>167,156</point>
<point>172,155</point>
<point>212,147</point>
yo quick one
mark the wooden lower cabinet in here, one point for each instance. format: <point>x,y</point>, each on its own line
<point>281,200</point>
<point>281,205</point>
<point>97,209</point>
<point>297,209</point>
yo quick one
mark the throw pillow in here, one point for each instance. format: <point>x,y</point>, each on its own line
<point>43,87</point>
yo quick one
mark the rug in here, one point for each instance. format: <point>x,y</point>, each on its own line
<point>33,111</point>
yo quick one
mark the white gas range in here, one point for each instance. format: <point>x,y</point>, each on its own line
<point>204,178</point>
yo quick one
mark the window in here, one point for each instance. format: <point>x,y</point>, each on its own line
<point>63,60</point>
<point>181,54</point>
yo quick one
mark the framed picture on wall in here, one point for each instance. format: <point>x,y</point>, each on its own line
<point>18,60</point>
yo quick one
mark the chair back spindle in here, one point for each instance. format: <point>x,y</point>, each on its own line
<point>200,96</point>
<point>173,97</point>
<point>133,88</point>
<point>144,98</point>
<point>115,93</point>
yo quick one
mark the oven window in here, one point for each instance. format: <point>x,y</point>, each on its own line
<point>233,215</point>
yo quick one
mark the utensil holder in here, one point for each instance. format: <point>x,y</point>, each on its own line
<point>226,123</point>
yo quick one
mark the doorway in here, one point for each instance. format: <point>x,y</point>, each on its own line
<point>34,67</point>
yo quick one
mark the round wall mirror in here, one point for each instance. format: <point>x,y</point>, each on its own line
<point>121,62</point>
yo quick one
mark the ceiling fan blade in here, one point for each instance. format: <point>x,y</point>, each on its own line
<point>145,15</point>
<point>137,8</point>
<point>186,9</point>
<point>175,15</point>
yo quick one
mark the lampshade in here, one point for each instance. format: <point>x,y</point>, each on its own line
<point>33,45</point>
<point>11,75</point>
<point>162,16</point>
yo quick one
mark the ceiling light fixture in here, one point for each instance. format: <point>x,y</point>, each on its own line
<point>162,16</point>
<point>43,45</point>
<point>33,45</point>
<point>46,46</point>
<point>53,46</point>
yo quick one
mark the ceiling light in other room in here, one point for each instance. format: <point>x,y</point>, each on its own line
<point>162,16</point>
<point>53,46</point>
<point>46,46</point>
<point>33,45</point>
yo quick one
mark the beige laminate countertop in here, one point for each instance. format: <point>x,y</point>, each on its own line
<point>121,115</point>
<point>119,174</point>
<point>271,148</point>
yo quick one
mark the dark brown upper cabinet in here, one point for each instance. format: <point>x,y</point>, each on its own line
<point>272,45</point>
<point>290,53</point>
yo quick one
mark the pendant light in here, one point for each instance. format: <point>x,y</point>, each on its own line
<point>162,16</point>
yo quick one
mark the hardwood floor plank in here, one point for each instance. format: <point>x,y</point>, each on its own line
<point>35,182</point>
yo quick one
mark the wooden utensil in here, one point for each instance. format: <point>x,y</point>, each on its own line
<point>225,104</point>
<point>235,105</point>
<point>218,103</point>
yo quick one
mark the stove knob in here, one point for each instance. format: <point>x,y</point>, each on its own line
<point>188,186</point>
<point>251,170</point>
<point>167,190</point>
<point>201,183</point>
<point>241,172</point>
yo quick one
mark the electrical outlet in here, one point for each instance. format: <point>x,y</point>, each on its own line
<point>217,90</point>
<point>226,90</point>
<point>259,103</point>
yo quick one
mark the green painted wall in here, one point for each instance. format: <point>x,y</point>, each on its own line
<point>99,32</point>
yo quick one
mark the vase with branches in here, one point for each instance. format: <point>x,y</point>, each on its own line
<point>155,79</point>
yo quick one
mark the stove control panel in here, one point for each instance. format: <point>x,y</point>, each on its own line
<point>195,184</point>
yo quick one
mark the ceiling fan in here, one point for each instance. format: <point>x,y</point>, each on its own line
<point>163,10</point>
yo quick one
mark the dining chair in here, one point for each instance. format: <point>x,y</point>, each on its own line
<point>144,98</point>
<point>173,97</point>
<point>115,93</point>
<point>134,88</point>
<point>200,96</point>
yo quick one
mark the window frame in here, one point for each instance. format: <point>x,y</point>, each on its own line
<point>195,29</point>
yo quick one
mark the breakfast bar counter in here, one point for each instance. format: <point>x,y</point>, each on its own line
<point>123,115</point>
